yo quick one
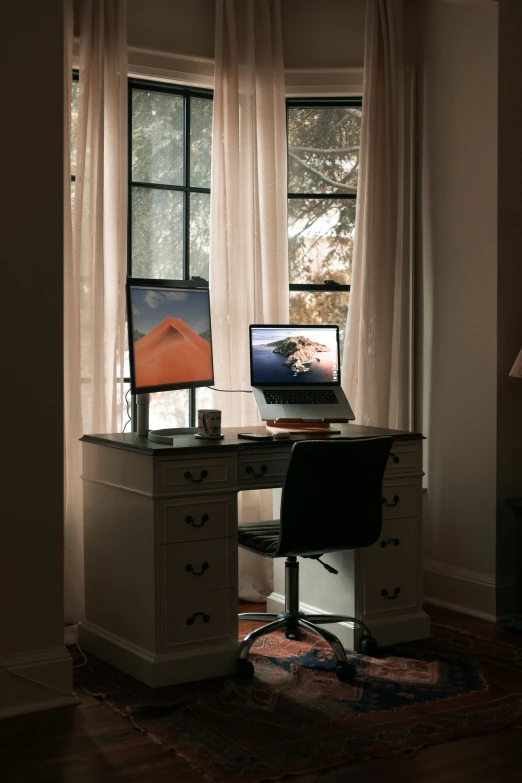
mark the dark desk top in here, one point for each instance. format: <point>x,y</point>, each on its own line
<point>188,443</point>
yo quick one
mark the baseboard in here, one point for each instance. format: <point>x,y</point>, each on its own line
<point>184,664</point>
<point>466,591</point>
<point>28,707</point>
<point>453,607</point>
<point>35,681</point>
<point>394,628</point>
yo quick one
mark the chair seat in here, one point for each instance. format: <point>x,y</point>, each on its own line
<point>260,537</point>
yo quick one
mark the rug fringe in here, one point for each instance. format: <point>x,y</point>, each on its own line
<point>405,752</point>
<point>125,714</point>
<point>151,711</point>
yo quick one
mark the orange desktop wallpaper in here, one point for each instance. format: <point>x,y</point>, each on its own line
<point>171,336</point>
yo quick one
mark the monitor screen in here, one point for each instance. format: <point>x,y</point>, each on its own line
<point>170,343</point>
<point>291,355</point>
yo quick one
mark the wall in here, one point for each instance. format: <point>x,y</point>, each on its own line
<point>174,26</point>
<point>325,34</point>
<point>457,299</point>
<point>31,551</point>
<point>509,290</point>
<point>316,33</point>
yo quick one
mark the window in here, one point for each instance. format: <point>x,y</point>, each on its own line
<point>323,161</point>
<point>74,132</point>
<point>170,142</point>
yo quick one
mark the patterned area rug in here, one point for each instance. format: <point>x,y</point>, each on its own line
<point>295,717</point>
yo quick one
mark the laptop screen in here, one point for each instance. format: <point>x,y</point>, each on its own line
<point>294,355</point>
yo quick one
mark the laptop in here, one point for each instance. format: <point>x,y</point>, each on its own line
<point>295,372</point>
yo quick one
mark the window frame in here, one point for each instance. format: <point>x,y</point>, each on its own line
<point>298,103</point>
<point>75,80</point>
<point>187,93</point>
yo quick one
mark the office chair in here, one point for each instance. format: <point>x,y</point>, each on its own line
<point>331,501</point>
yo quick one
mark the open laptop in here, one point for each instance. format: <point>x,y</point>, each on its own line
<point>295,372</point>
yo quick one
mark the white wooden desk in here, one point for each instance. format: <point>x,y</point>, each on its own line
<point>160,522</point>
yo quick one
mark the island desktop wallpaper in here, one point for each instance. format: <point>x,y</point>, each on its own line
<point>171,337</point>
<point>294,354</point>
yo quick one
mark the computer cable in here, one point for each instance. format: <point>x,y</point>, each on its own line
<point>128,413</point>
<point>231,391</point>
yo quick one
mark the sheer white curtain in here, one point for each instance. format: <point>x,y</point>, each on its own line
<point>95,257</point>
<point>377,360</point>
<point>248,224</point>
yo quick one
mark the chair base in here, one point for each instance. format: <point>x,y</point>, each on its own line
<point>291,623</point>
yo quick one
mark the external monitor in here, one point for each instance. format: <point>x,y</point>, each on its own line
<point>170,345</point>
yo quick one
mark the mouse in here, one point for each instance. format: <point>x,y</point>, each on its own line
<point>281,435</point>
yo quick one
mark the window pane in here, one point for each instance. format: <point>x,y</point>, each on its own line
<point>318,307</point>
<point>157,233</point>
<point>320,240</point>
<point>323,149</point>
<point>204,400</point>
<point>74,125</point>
<point>157,135</point>
<point>126,410</point>
<point>200,142</point>
<point>199,234</point>
<point>169,409</point>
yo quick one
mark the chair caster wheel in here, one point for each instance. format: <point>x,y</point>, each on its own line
<point>293,634</point>
<point>368,646</point>
<point>345,671</point>
<point>244,669</point>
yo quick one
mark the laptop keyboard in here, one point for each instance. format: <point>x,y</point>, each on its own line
<point>300,397</point>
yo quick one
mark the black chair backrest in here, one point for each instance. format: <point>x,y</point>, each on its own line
<point>332,495</point>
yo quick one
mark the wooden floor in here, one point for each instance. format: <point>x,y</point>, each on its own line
<point>91,744</point>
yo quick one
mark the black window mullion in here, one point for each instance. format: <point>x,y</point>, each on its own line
<point>326,286</point>
<point>129,194</point>
<point>133,399</point>
<point>186,182</point>
<point>323,196</point>
<point>186,226</point>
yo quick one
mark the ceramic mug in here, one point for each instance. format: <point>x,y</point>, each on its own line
<point>209,423</point>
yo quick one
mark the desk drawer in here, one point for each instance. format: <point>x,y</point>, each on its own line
<point>259,469</point>
<point>197,617</point>
<point>405,458</point>
<point>194,520</point>
<point>401,498</point>
<point>194,475</point>
<point>390,568</point>
<point>198,567</point>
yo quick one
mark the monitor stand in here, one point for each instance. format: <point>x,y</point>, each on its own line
<point>167,435</point>
<point>157,436</point>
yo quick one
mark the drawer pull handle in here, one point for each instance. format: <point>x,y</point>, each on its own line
<point>396,592</point>
<point>394,457</point>
<point>202,476</point>
<point>250,469</point>
<point>394,541</point>
<point>192,620</point>
<point>190,521</point>
<point>189,567</point>
<point>385,502</point>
